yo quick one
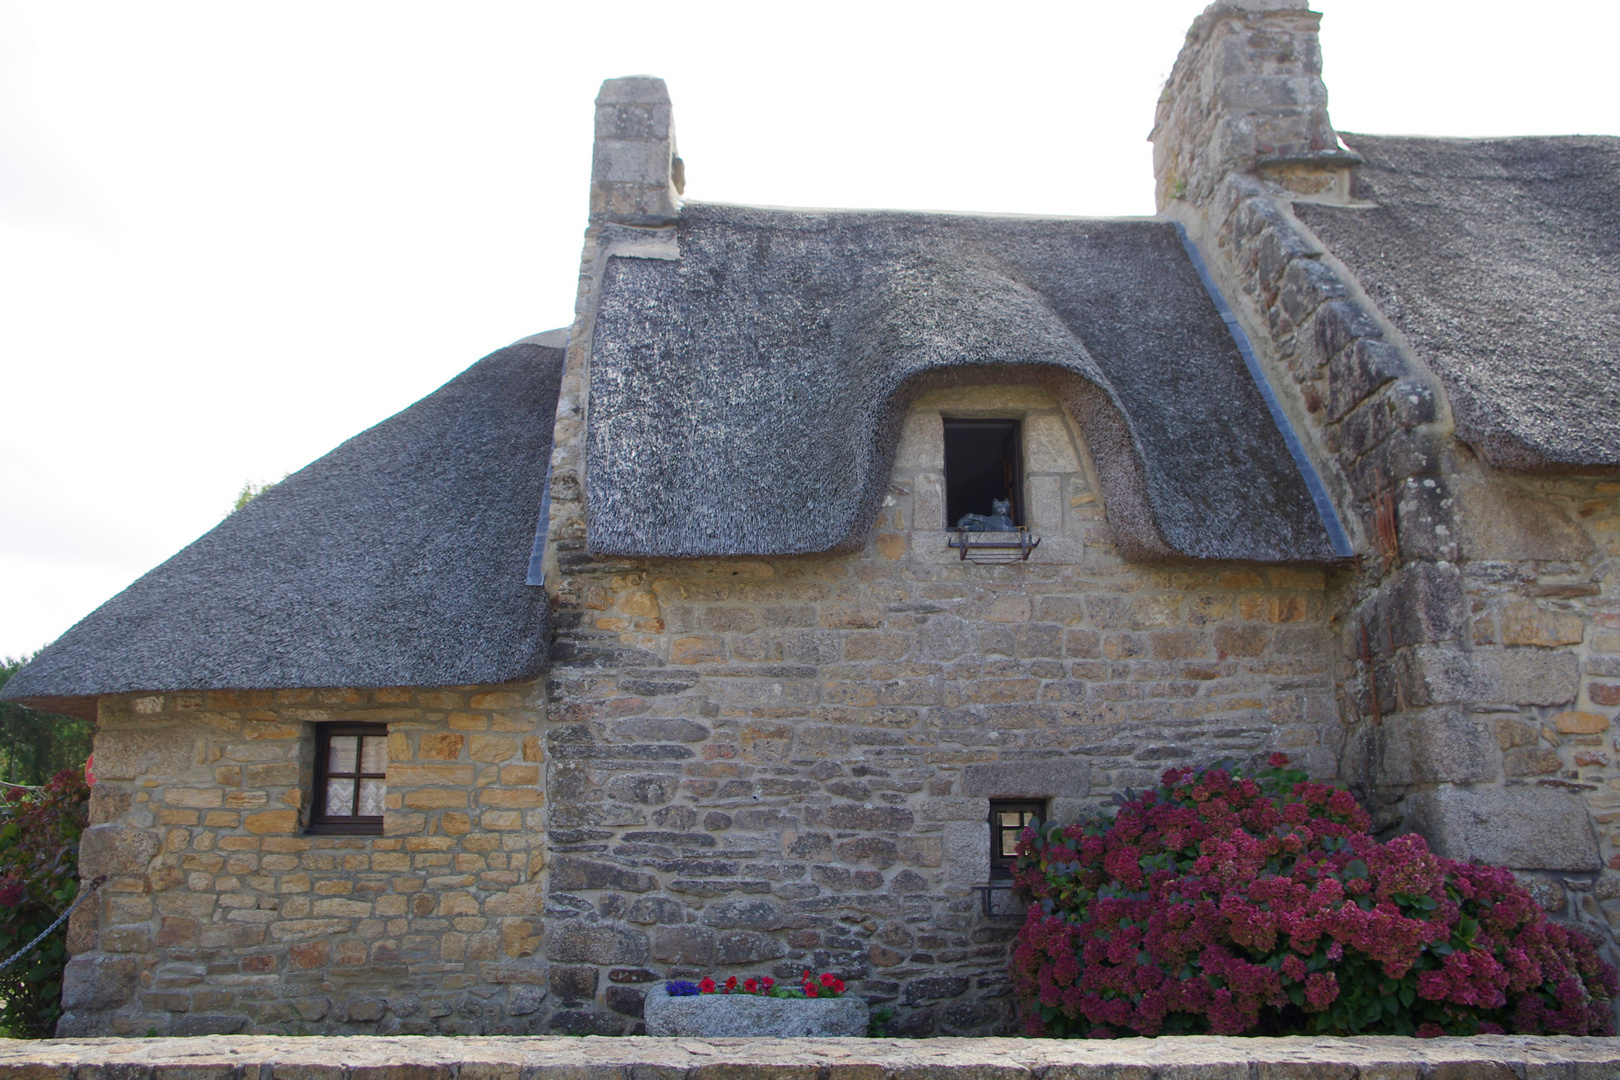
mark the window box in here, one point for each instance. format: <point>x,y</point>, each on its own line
<point>712,1016</point>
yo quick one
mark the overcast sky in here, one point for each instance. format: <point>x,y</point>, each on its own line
<point>232,235</point>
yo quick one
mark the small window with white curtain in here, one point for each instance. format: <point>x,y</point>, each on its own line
<point>351,779</point>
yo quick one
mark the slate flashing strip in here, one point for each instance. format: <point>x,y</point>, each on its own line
<point>537,551</point>
<point>542,528</point>
<point>1313,481</point>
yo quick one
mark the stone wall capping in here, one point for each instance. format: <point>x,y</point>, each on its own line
<point>1209,1057</point>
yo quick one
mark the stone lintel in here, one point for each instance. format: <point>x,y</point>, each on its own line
<point>1027,780</point>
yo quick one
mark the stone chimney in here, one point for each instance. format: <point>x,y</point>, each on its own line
<point>637,178</point>
<point>1246,96</point>
<point>636,175</point>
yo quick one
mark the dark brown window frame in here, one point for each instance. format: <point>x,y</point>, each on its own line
<point>1001,865</point>
<point>355,825</point>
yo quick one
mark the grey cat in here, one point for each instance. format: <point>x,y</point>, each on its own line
<point>999,520</point>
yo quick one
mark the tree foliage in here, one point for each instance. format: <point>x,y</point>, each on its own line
<point>39,878</point>
<point>34,745</point>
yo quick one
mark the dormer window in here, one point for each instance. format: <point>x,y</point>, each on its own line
<point>984,490</point>
<point>984,465</point>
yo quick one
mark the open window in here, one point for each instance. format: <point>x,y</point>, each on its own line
<point>351,768</point>
<point>984,463</point>
<point>1008,817</point>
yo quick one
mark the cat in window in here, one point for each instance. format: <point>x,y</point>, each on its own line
<point>998,520</point>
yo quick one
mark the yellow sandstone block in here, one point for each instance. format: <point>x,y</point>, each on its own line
<point>1580,723</point>
<point>497,700</point>
<point>271,821</point>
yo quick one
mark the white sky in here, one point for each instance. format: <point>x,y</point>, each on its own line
<point>232,235</point>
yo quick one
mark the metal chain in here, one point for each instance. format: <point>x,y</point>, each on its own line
<point>84,894</point>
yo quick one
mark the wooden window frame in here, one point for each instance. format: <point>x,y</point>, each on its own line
<point>355,825</point>
<point>1001,866</point>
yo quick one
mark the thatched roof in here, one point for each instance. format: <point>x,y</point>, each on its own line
<point>1499,260</point>
<point>396,560</point>
<point>746,396</point>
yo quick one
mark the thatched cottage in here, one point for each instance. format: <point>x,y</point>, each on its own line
<point>645,648</point>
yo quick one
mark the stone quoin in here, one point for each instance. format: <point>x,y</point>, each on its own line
<point>638,651</point>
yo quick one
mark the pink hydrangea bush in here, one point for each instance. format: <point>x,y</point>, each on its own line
<point>1228,904</point>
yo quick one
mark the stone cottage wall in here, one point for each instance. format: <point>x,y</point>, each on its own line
<point>1476,639</point>
<point>772,765</point>
<point>221,915</point>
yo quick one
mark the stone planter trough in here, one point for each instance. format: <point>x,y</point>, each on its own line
<point>722,1015</point>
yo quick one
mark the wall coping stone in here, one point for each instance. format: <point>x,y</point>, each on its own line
<point>550,1057</point>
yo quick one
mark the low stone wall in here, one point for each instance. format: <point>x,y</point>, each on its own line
<point>1492,1057</point>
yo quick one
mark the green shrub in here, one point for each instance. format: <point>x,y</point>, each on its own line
<point>1237,905</point>
<point>39,877</point>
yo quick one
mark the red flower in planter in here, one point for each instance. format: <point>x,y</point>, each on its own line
<point>751,986</point>
<point>731,984</point>
<point>706,986</point>
<point>767,982</point>
<point>810,990</point>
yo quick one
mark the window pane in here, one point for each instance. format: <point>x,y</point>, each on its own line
<point>1009,819</point>
<point>371,797</point>
<point>339,797</point>
<point>343,754</point>
<point>373,753</point>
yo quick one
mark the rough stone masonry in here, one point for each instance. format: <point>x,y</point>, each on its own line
<point>1475,641</point>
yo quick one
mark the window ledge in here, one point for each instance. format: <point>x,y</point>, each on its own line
<point>344,828</point>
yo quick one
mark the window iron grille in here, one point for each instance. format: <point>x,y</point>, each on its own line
<point>993,549</point>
